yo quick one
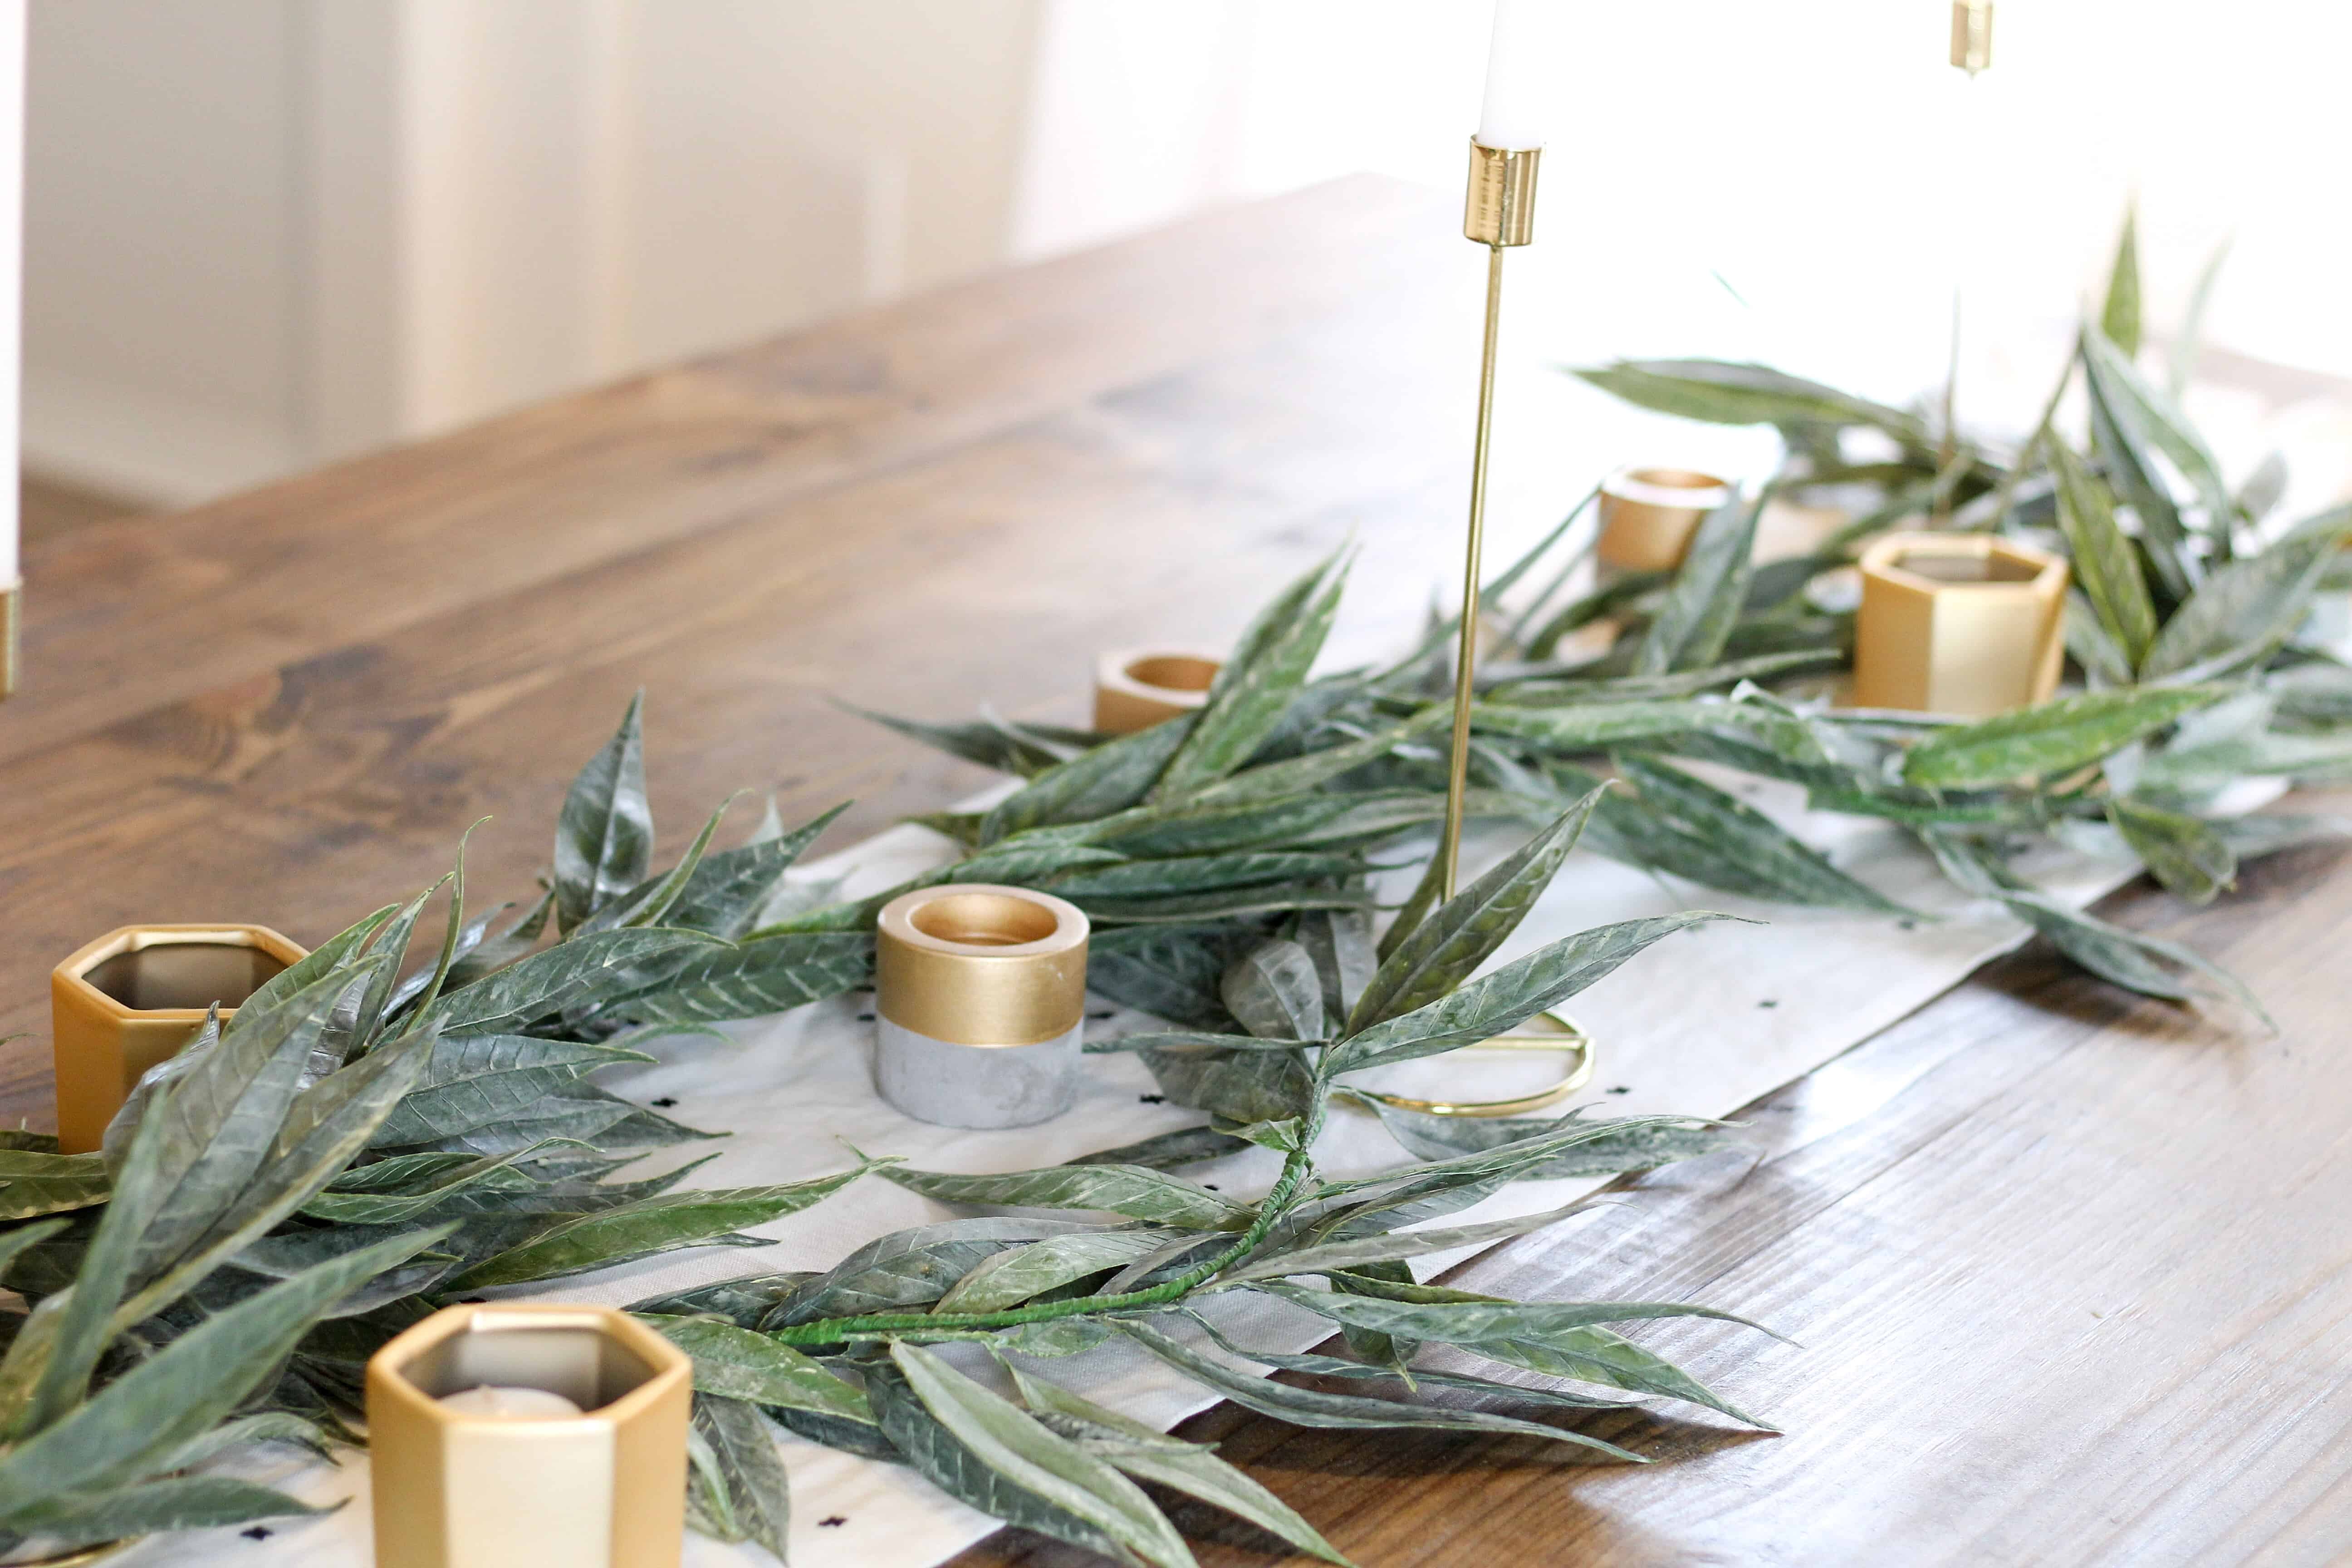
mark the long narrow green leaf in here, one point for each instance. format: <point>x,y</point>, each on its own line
<point>1305,1408</point>
<point>1153,1196</point>
<point>2188,855</point>
<point>2119,317</point>
<point>762,975</point>
<point>2104,561</point>
<point>1459,935</point>
<point>1703,601</point>
<point>734,1454</point>
<point>578,973</point>
<point>160,1405</point>
<point>1109,779</point>
<point>922,1440</point>
<point>2052,738</point>
<point>1275,993</point>
<point>1012,1443</point>
<point>2244,612</point>
<point>1154,1457</point>
<point>1688,827</point>
<point>1502,1001</point>
<point>742,1364</point>
<point>604,838</point>
<point>658,1224</point>
<point>1257,683</point>
<point>1722,393</point>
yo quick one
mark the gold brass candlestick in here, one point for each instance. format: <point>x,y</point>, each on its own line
<point>11,609</point>
<point>1498,212</point>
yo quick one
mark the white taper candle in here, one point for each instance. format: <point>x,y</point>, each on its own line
<point>1524,73</point>
<point>12,270</point>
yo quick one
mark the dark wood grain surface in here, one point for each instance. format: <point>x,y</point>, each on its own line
<point>2071,1277</point>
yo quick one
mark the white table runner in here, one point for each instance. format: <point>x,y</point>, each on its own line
<point>1702,1023</point>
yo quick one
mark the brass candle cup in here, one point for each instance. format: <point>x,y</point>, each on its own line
<point>980,1005</point>
<point>1962,624</point>
<point>1648,515</point>
<point>1138,688</point>
<point>458,1490</point>
<point>133,997</point>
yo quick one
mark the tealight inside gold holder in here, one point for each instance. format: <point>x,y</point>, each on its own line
<point>1138,688</point>
<point>980,1004</point>
<point>1961,624</point>
<point>133,997</point>
<point>456,1489</point>
<point>1648,515</point>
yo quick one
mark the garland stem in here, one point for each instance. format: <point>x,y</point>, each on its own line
<point>1276,1202</point>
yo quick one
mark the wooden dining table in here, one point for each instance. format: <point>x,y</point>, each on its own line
<point>2066,1274</point>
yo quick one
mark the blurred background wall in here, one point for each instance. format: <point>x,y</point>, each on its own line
<point>265,233</point>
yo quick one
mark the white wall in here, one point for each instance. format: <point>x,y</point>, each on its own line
<point>160,260</point>
<point>264,233</point>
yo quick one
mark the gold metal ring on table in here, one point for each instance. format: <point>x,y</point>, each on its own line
<point>1565,1036</point>
<point>80,1556</point>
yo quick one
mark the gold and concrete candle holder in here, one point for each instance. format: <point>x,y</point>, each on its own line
<point>1648,515</point>
<point>980,1005</point>
<point>1138,688</point>
<point>459,1487</point>
<point>133,997</point>
<point>1963,624</point>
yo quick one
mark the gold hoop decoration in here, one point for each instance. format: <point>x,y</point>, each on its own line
<point>1560,1033</point>
<point>80,1556</point>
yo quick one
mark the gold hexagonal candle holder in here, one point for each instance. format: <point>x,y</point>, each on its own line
<point>1963,624</point>
<point>1138,688</point>
<point>461,1481</point>
<point>1648,515</point>
<point>133,997</point>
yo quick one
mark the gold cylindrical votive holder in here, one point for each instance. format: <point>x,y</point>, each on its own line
<point>1648,515</point>
<point>133,997</point>
<point>461,1488</point>
<point>980,1004</point>
<point>1962,624</point>
<point>1138,688</point>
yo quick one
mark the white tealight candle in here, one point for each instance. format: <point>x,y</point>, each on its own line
<point>12,227</point>
<point>1523,74</point>
<point>511,1403</point>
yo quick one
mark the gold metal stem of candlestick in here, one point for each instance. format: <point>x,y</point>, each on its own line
<point>1498,212</point>
<point>12,605</point>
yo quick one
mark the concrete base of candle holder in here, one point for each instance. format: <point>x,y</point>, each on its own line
<point>133,997</point>
<point>950,1084</point>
